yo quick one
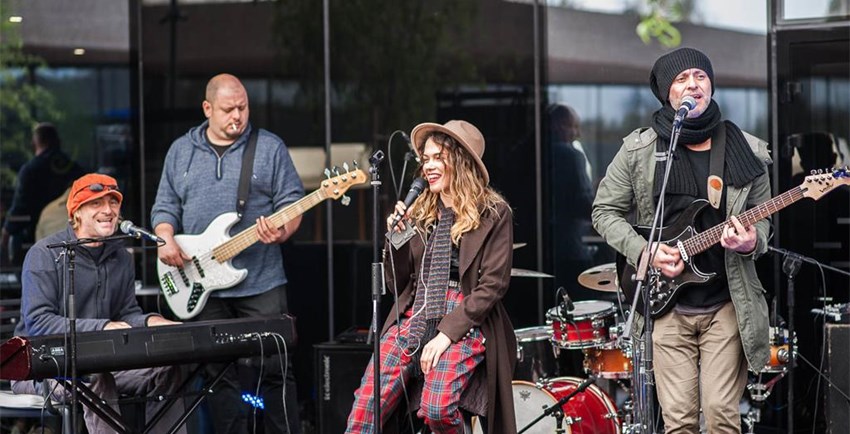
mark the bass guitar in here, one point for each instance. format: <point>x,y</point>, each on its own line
<point>187,288</point>
<point>681,234</point>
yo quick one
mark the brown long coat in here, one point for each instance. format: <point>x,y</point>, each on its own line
<point>486,257</point>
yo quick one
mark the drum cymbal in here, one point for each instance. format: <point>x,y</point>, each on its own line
<point>600,278</point>
<point>521,272</point>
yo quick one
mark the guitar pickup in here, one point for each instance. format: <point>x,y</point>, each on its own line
<point>168,284</point>
<point>197,263</point>
<point>197,290</point>
<point>183,276</point>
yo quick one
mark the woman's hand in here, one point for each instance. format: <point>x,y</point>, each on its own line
<point>400,209</point>
<point>432,351</point>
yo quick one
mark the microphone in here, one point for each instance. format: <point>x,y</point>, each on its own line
<point>411,153</point>
<point>585,384</point>
<point>129,228</point>
<point>567,305</point>
<point>688,104</point>
<point>416,188</point>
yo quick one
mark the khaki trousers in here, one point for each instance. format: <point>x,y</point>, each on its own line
<point>699,360</point>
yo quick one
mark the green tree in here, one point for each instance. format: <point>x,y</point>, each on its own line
<point>658,22</point>
<point>23,102</point>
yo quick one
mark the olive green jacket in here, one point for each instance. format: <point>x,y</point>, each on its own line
<point>628,186</point>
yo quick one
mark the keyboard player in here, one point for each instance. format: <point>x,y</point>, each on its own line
<point>105,300</point>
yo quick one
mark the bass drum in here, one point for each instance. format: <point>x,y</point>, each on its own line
<point>589,412</point>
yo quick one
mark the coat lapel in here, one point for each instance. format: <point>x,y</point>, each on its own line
<point>471,243</point>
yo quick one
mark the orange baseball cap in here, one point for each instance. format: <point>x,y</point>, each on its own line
<point>90,187</point>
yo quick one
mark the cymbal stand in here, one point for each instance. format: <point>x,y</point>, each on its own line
<point>759,392</point>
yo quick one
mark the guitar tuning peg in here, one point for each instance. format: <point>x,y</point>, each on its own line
<point>356,166</point>
<point>345,166</point>
<point>345,200</point>
<point>335,170</point>
<point>327,173</point>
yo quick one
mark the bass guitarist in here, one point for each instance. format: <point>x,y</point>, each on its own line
<point>714,331</point>
<point>200,180</point>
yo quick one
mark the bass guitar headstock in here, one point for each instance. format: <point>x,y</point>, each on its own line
<point>336,186</point>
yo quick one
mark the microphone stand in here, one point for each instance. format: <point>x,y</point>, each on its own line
<point>644,405</point>
<point>69,249</point>
<point>377,285</point>
<point>790,266</point>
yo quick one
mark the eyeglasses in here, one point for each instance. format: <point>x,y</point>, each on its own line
<point>98,187</point>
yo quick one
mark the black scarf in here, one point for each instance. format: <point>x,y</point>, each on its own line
<point>741,164</point>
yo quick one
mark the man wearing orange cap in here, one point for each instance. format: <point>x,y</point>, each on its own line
<point>104,289</point>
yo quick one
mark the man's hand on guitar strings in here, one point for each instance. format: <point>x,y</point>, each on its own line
<point>736,237</point>
<point>170,253</point>
<point>667,259</point>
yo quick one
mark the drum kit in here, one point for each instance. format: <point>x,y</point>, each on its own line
<point>583,338</point>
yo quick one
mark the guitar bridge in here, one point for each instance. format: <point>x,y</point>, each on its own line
<point>168,284</point>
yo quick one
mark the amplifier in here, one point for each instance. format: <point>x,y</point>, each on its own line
<point>838,353</point>
<point>339,368</point>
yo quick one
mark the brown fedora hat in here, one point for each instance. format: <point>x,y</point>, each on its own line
<point>465,133</point>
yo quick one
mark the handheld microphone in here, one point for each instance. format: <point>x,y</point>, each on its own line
<point>129,228</point>
<point>416,188</point>
<point>688,104</point>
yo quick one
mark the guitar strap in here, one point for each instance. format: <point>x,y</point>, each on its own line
<point>247,172</point>
<point>715,169</point>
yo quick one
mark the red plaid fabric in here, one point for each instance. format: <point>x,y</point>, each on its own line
<point>442,386</point>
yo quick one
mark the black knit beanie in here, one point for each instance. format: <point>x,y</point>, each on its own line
<point>668,66</point>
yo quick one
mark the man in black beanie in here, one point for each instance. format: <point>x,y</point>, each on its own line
<point>709,333</point>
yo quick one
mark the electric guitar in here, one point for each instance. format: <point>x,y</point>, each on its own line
<point>187,288</point>
<point>682,235</point>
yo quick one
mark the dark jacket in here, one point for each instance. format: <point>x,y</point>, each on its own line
<point>104,288</point>
<point>40,180</point>
<point>486,257</point>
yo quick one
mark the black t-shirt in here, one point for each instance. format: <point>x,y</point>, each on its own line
<point>711,260</point>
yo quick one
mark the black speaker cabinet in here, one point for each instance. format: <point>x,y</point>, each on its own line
<point>838,354</point>
<point>339,368</point>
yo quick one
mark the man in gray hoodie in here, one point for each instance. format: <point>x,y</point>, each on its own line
<point>200,181</point>
<point>105,299</point>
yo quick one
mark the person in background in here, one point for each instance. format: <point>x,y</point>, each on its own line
<point>41,180</point>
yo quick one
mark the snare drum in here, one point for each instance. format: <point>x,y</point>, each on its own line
<point>585,326</point>
<point>780,350</point>
<point>589,412</point>
<point>608,362</point>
